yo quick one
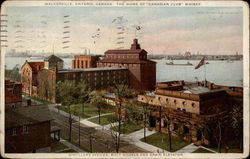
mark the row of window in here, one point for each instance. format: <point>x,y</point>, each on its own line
<point>126,56</point>
<point>184,103</point>
<point>25,130</point>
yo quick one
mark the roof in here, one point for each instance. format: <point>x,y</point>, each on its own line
<point>26,115</point>
<point>91,69</point>
<point>53,58</point>
<point>109,95</point>
<point>198,90</point>
<point>125,51</point>
<point>11,98</point>
<point>35,66</point>
<point>125,61</point>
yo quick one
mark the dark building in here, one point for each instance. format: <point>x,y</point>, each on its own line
<point>53,62</point>
<point>84,61</point>
<point>27,126</point>
<point>27,129</point>
<point>142,72</point>
<point>95,78</point>
<point>190,108</point>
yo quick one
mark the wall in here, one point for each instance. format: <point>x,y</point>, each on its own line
<point>38,136</point>
<point>26,79</point>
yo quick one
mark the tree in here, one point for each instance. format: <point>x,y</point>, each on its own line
<point>83,93</point>
<point>133,112</point>
<point>167,118</point>
<point>66,93</point>
<point>164,107</point>
<point>237,122</point>
<point>215,125</point>
<point>98,102</point>
<point>70,92</point>
<point>121,92</point>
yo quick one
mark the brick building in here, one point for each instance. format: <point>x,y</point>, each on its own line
<point>187,108</point>
<point>13,94</point>
<point>142,72</point>
<point>27,129</point>
<point>29,76</point>
<point>27,126</point>
<point>84,61</point>
<point>95,78</point>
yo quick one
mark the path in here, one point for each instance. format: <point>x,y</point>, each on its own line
<point>71,146</point>
<point>132,138</point>
<point>188,149</point>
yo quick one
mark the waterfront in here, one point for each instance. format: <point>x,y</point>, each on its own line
<point>219,72</point>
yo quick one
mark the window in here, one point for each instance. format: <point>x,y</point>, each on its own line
<point>166,99</point>
<point>184,110</point>
<point>185,129</point>
<point>184,103</point>
<point>193,105</point>
<point>175,101</point>
<point>178,108</point>
<point>13,105</point>
<point>159,98</point>
<point>25,129</point>
<point>14,132</point>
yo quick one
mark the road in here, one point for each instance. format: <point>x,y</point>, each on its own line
<point>101,141</point>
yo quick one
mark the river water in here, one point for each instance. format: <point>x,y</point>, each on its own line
<point>218,72</point>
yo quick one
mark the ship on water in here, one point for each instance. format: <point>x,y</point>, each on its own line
<point>182,64</point>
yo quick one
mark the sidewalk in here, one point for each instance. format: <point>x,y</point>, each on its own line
<point>132,138</point>
<point>71,146</point>
<point>188,149</point>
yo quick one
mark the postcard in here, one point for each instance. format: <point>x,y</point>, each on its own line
<point>124,79</point>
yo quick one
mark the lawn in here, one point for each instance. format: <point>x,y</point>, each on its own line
<point>75,143</point>
<point>58,147</point>
<point>69,151</point>
<point>201,150</point>
<point>89,110</point>
<point>128,128</point>
<point>231,150</point>
<point>161,140</point>
<point>104,120</point>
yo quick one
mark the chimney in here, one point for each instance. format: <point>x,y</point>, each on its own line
<point>135,45</point>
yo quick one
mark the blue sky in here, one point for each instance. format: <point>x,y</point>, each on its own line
<point>168,30</point>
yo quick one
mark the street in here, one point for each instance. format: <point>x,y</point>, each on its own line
<point>98,142</point>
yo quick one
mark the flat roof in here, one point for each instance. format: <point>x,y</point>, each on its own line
<point>197,89</point>
<point>91,69</point>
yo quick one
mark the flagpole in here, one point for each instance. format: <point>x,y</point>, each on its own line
<point>205,69</point>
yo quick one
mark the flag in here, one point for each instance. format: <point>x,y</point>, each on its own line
<point>202,62</point>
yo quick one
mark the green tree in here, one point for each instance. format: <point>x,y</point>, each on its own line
<point>237,122</point>
<point>70,92</point>
<point>96,100</point>
<point>121,92</point>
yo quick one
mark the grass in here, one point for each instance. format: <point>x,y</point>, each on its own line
<point>58,147</point>
<point>89,110</point>
<point>75,143</point>
<point>37,99</point>
<point>128,128</point>
<point>161,140</point>
<point>201,150</point>
<point>69,151</point>
<point>104,120</point>
<point>231,150</point>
